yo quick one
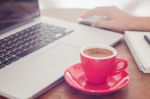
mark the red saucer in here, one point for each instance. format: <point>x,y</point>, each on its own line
<point>76,78</point>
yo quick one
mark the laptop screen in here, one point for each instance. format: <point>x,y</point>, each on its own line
<point>13,12</point>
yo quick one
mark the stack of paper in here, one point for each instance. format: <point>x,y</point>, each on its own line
<point>139,48</point>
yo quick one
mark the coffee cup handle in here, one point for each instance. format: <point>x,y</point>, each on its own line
<point>120,65</point>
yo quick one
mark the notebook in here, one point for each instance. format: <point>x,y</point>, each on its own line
<point>139,48</point>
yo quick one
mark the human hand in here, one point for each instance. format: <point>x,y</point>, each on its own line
<point>117,20</point>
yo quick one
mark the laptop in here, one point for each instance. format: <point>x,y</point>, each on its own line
<point>35,50</point>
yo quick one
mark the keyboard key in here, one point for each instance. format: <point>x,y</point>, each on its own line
<point>34,48</point>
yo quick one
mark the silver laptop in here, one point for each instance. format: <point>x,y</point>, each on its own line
<point>35,50</point>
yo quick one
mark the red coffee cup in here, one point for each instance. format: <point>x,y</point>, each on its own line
<point>101,65</point>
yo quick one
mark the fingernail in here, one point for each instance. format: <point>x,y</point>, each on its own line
<point>93,24</point>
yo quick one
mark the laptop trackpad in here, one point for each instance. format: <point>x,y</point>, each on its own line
<point>60,56</point>
<point>57,59</point>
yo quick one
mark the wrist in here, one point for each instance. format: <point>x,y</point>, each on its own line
<point>139,23</point>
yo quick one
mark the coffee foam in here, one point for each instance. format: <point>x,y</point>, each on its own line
<point>114,52</point>
<point>98,52</point>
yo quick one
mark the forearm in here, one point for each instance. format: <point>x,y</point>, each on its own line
<point>140,24</point>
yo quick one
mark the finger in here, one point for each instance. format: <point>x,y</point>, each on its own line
<point>109,25</point>
<point>97,11</point>
<point>105,24</point>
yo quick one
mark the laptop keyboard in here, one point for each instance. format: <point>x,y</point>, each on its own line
<point>29,40</point>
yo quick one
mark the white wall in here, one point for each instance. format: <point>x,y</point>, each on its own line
<point>138,7</point>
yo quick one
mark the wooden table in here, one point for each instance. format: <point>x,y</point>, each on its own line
<point>139,85</point>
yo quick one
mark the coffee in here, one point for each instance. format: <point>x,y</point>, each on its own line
<point>100,62</point>
<point>97,52</point>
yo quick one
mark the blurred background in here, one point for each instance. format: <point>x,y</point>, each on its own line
<point>137,7</point>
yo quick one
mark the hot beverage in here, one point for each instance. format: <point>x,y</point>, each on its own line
<point>100,62</point>
<point>97,52</point>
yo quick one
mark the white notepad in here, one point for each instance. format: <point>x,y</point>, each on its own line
<point>139,48</point>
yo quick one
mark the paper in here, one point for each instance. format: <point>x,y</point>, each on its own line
<point>139,48</point>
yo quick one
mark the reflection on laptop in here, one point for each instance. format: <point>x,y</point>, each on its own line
<point>34,50</point>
